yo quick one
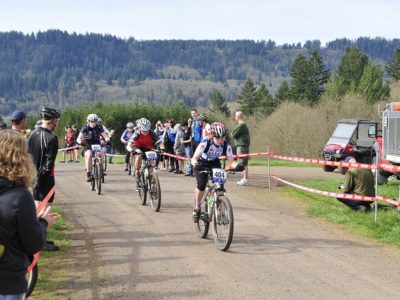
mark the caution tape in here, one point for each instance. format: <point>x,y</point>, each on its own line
<point>221,158</point>
<point>324,162</point>
<point>46,199</point>
<point>339,195</point>
<point>69,148</point>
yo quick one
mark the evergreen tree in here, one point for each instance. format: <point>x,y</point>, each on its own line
<point>219,104</point>
<point>299,74</point>
<point>248,102</point>
<point>393,67</point>
<point>283,92</point>
<point>265,100</point>
<point>351,69</point>
<point>371,84</point>
<point>309,77</point>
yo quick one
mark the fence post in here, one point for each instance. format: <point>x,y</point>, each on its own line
<point>376,193</point>
<point>269,170</point>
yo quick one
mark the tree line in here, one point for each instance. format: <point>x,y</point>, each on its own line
<point>54,65</point>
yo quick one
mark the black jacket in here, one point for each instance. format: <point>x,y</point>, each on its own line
<point>20,232</point>
<point>43,147</point>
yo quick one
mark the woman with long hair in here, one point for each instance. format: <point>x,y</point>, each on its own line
<point>22,233</point>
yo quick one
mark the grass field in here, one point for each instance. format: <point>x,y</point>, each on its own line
<point>51,272</point>
<point>386,230</point>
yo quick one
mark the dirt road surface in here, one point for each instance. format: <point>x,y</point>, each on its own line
<point>123,250</point>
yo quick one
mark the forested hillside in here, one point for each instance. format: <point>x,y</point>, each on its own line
<point>59,69</point>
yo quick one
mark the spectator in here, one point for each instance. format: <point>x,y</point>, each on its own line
<point>196,130</point>
<point>179,148</point>
<point>169,145</point>
<point>76,150</point>
<point>160,131</point>
<point>43,146</point>
<point>110,149</point>
<point>358,182</point>
<point>21,233</point>
<point>205,128</point>
<point>3,125</point>
<point>18,121</point>
<point>68,143</point>
<point>241,138</point>
<point>187,141</point>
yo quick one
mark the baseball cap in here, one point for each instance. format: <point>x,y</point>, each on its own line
<point>17,116</point>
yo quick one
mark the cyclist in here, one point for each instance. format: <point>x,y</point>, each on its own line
<point>126,135</point>
<point>143,140</point>
<point>90,135</point>
<point>207,156</point>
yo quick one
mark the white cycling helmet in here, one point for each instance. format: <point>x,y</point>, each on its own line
<point>92,118</point>
<point>217,130</point>
<point>130,125</point>
<point>144,124</point>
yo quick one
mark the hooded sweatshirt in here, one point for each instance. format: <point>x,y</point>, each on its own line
<point>21,234</point>
<point>178,146</point>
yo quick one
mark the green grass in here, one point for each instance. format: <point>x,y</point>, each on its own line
<point>258,161</point>
<point>51,272</point>
<point>386,230</point>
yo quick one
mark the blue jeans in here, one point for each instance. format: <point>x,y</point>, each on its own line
<point>188,153</point>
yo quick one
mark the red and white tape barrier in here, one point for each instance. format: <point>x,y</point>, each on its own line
<point>69,148</point>
<point>338,195</point>
<point>324,162</point>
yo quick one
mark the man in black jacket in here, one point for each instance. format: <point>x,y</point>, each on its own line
<point>43,146</point>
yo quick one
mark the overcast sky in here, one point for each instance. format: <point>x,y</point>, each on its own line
<point>284,21</point>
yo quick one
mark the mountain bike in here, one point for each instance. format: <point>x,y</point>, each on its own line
<point>97,169</point>
<point>32,274</point>
<point>216,208</point>
<point>149,182</point>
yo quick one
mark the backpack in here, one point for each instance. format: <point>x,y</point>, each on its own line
<point>197,131</point>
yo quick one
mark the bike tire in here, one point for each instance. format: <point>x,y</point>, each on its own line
<point>142,189</point>
<point>93,180</point>
<point>203,225</point>
<point>223,223</point>
<point>102,173</point>
<point>105,163</point>
<point>154,192</point>
<point>97,176</point>
<point>32,278</point>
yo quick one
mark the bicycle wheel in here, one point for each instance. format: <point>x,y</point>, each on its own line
<point>105,163</point>
<point>204,222</point>
<point>102,172</point>
<point>155,192</point>
<point>32,277</point>
<point>97,177</point>
<point>93,180</point>
<point>223,223</point>
<point>142,189</point>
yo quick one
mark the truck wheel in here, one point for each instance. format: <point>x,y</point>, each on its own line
<point>328,168</point>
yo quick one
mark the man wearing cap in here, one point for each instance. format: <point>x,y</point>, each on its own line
<point>358,182</point>
<point>43,146</point>
<point>18,120</point>
<point>241,137</point>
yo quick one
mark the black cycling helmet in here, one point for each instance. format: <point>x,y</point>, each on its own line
<point>48,113</point>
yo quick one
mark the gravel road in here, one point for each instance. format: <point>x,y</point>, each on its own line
<point>123,250</point>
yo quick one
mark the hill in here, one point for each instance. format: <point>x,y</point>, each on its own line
<point>61,69</point>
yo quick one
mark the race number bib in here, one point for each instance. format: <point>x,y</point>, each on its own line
<point>96,148</point>
<point>151,155</point>
<point>218,175</point>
